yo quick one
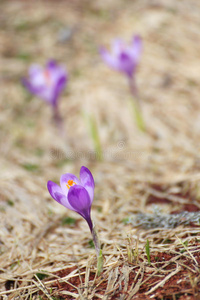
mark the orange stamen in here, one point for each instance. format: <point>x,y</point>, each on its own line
<point>70,183</point>
<point>47,76</point>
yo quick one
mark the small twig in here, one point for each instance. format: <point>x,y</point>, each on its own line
<point>41,286</point>
<point>161,283</point>
<point>187,250</point>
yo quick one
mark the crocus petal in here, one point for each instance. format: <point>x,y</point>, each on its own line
<point>117,47</point>
<point>56,72</point>
<point>37,76</point>
<point>58,88</point>
<point>136,48</point>
<point>87,181</point>
<point>64,182</point>
<point>58,78</point>
<point>28,85</point>
<point>63,200</point>
<point>109,59</point>
<point>126,64</point>
<point>34,70</point>
<point>79,199</point>
<point>57,194</point>
<point>53,188</point>
<point>51,64</point>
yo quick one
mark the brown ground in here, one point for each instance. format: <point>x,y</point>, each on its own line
<point>41,255</point>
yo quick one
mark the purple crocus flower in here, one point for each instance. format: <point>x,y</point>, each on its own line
<point>75,194</point>
<point>124,58</point>
<point>46,83</point>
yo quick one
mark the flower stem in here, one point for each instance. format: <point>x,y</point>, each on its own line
<point>136,104</point>
<point>138,115</point>
<point>58,120</point>
<point>96,240</point>
<point>100,263</point>
<point>98,250</point>
<point>133,89</point>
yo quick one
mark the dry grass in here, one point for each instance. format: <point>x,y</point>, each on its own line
<point>161,166</point>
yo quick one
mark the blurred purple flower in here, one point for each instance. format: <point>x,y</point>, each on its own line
<point>75,194</point>
<point>47,83</point>
<point>124,58</point>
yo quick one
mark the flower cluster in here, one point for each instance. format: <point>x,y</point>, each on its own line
<point>47,83</point>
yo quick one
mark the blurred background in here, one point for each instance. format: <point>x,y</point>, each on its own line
<point>71,32</point>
